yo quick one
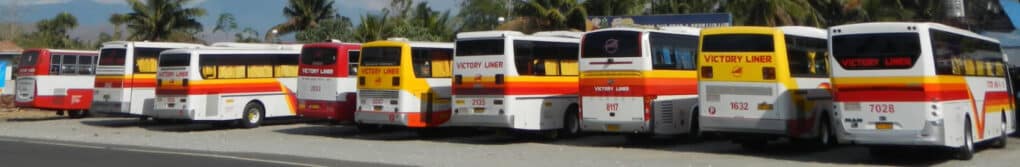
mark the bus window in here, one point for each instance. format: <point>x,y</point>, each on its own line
<point>958,55</point>
<point>803,56</point>
<point>381,56</point>
<point>28,59</point>
<point>175,60</point>
<point>318,56</point>
<point>612,44</point>
<point>54,64</point>
<point>545,58</point>
<point>480,47</point>
<point>673,51</point>
<point>85,65</point>
<point>738,43</point>
<point>112,57</point>
<point>877,51</point>
<point>285,66</point>
<point>431,62</point>
<point>146,59</point>
<point>68,65</point>
<point>352,61</point>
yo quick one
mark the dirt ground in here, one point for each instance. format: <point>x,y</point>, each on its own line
<point>10,113</point>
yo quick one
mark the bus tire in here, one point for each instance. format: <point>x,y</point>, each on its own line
<point>694,133</point>
<point>825,135</point>
<point>966,151</point>
<point>571,124</point>
<point>77,114</point>
<point>1004,136</point>
<point>252,116</point>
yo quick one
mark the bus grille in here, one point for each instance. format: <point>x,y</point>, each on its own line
<point>713,91</point>
<point>378,94</point>
<point>110,70</point>
<point>665,112</point>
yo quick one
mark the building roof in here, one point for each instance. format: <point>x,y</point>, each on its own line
<point>9,46</point>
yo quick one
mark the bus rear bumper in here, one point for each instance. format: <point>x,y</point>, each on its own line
<point>615,126</point>
<point>330,110</point>
<point>895,137</point>
<point>381,118</point>
<point>113,108</point>
<point>774,127</point>
<point>468,120</point>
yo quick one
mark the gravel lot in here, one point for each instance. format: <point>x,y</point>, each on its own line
<point>461,147</point>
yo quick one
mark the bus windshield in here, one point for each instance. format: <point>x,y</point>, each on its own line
<point>738,43</point>
<point>29,58</point>
<point>480,47</point>
<point>172,60</point>
<point>608,44</point>
<point>380,56</point>
<point>112,57</point>
<point>876,51</point>
<point>318,56</point>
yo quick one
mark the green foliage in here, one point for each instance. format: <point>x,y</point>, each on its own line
<point>248,35</point>
<point>164,20</point>
<point>403,19</point>
<point>339,28</point>
<point>548,15</point>
<point>226,23</point>
<point>117,20</point>
<point>373,27</point>
<point>479,15</point>
<point>54,33</point>
<point>773,12</point>
<point>685,6</point>
<point>614,7</point>
<point>302,15</point>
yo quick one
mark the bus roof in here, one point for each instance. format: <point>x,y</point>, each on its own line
<point>804,31</point>
<point>228,50</point>
<point>409,43</point>
<point>884,26</point>
<point>90,52</point>
<point>488,34</point>
<point>786,30</point>
<point>557,36</point>
<point>271,46</point>
<point>123,44</point>
<point>562,34</point>
<point>669,30</point>
<point>330,44</point>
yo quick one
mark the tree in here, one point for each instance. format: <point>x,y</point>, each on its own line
<point>302,15</point>
<point>373,27</point>
<point>53,33</point>
<point>839,12</point>
<point>248,35</point>
<point>902,10</point>
<point>117,20</point>
<point>339,28</point>
<point>614,7</point>
<point>546,15</point>
<point>773,12</point>
<point>686,6</point>
<point>477,15</point>
<point>225,23</point>
<point>160,20</point>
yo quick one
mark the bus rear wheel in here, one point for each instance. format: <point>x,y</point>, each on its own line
<point>77,114</point>
<point>1003,138</point>
<point>966,151</point>
<point>253,115</point>
<point>571,124</point>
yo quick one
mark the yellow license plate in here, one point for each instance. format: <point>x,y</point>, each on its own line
<point>171,82</point>
<point>377,108</point>
<point>612,128</point>
<point>479,110</point>
<point>883,126</point>
<point>314,106</point>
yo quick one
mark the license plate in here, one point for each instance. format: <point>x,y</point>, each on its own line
<point>377,108</point>
<point>314,106</point>
<point>612,128</point>
<point>479,110</point>
<point>883,126</point>
<point>171,82</point>
<point>171,105</point>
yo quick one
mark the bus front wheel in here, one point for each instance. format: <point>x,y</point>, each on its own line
<point>253,115</point>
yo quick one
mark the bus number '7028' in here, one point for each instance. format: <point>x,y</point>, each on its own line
<point>882,108</point>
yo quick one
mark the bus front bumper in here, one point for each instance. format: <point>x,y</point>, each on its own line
<point>615,126</point>
<point>497,121</point>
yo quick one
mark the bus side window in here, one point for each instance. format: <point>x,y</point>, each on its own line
<point>352,61</point>
<point>441,65</point>
<point>86,65</point>
<point>55,64</point>
<point>285,65</point>
<point>68,65</point>
<point>146,60</point>
<point>673,52</point>
<point>525,60</point>
<point>259,66</point>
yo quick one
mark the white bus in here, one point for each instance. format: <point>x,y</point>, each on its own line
<point>126,77</point>
<point>228,84</point>
<point>759,84</point>
<point>920,84</point>
<point>507,79</point>
<point>640,82</point>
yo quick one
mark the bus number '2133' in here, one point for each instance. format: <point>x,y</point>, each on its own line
<point>882,108</point>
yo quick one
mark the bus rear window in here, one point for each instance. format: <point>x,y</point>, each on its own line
<point>607,44</point>
<point>480,47</point>
<point>29,58</point>
<point>380,56</point>
<point>738,43</point>
<point>876,51</point>
<point>172,60</point>
<point>318,56</point>
<point>112,57</point>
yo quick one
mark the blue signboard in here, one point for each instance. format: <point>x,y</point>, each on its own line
<point>689,20</point>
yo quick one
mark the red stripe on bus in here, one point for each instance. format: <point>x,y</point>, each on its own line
<point>515,88</point>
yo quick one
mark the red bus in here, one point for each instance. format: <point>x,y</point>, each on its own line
<point>327,81</point>
<point>60,80</point>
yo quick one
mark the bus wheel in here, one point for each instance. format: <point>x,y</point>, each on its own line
<point>253,115</point>
<point>571,125</point>
<point>825,135</point>
<point>694,133</point>
<point>966,152</point>
<point>77,114</point>
<point>1003,137</point>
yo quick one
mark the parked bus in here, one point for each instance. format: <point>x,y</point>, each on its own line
<point>327,81</point>
<point>506,79</point>
<point>56,80</point>
<point>640,82</point>
<point>404,83</point>
<point>920,84</point>
<point>126,77</point>
<point>244,85</point>
<point>764,83</point>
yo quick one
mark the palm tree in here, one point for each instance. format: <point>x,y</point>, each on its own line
<point>614,7</point>
<point>225,23</point>
<point>302,15</point>
<point>372,27</point>
<point>159,20</point>
<point>902,10</point>
<point>838,12</point>
<point>685,6</point>
<point>774,12</point>
<point>117,20</point>
<point>554,14</point>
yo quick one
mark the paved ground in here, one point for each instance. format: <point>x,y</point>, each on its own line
<point>345,146</point>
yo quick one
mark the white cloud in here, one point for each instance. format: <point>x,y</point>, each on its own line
<point>32,2</point>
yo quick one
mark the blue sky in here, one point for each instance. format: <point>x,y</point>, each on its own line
<point>93,15</point>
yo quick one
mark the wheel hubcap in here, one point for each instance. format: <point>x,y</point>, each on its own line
<point>253,116</point>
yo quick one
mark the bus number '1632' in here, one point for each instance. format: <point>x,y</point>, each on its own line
<point>738,106</point>
<point>882,108</point>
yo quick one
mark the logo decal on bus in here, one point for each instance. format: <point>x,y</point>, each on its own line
<point>611,46</point>
<point>737,71</point>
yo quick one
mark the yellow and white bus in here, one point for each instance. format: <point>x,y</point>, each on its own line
<point>247,84</point>
<point>764,83</point>
<point>404,83</point>
<point>920,84</point>
<point>126,77</point>
<point>640,82</point>
<point>507,79</point>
